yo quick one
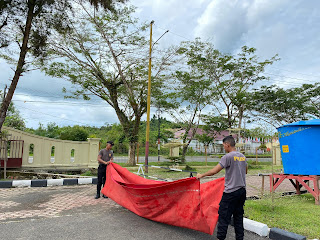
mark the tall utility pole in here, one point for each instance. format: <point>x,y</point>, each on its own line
<point>148,102</point>
<point>149,95</point>
<point>159,111</point>
<point>3,98</point>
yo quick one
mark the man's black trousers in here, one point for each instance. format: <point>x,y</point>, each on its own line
<point>231,204</point>
<point>101,178</point>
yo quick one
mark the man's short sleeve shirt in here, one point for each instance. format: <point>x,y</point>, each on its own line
<point>235,164</point>
<point>106,155</point>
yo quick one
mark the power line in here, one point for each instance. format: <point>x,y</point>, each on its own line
<point>303,79</point>
<point>299,80</point>
<point>295,72</point>
<point>172,32</point>
<point>59,103</point>
<point>55,116</point>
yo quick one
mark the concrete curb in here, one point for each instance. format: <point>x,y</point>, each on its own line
<point>47,182</point>
<point>273,233</point>
<point>276,233</point>
<point>259,228</point>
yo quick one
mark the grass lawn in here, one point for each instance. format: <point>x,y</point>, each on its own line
<point>297,214</point>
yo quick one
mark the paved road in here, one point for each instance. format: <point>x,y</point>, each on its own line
<point>188,159</point>
<point>124,159</point>
<point>70,212</point>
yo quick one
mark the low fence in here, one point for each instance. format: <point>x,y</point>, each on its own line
<point>43,152</point>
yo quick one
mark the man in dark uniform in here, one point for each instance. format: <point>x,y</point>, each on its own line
<point>234,194</point>
<point>105,157</point>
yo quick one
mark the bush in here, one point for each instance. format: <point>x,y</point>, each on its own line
<point>188,168</point>
<point>87,173</point>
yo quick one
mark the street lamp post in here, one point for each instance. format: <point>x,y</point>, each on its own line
<point>148,101</point>
<point>149,96</point>
<point>159,111</point>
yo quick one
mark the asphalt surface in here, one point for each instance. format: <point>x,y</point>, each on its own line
<point>123,159</point>
<point>71,212</point>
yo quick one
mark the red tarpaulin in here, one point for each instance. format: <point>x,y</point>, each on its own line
<point>183,203</point>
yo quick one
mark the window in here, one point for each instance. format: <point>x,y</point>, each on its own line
<point>52,154</point>
<point>72,156</point>
<point>31,151</point>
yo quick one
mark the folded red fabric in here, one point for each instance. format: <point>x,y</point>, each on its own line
<point>183,203</point>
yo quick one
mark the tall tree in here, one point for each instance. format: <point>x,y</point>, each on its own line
<point>106,54</point>
<point>232,77</point>
<point>206,139</point>
<point>190,93</point>
<point>28,23</point>
<point>279,106</point>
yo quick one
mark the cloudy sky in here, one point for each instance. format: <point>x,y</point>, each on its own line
<point>289,28</point>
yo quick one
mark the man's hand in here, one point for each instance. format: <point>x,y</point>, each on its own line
<point>111,161</point>
<point>199,176</point>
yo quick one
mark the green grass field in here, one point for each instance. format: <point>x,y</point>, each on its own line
<point>297,213</point>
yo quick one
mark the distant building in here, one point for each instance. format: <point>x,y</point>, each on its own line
<point>248,145</point>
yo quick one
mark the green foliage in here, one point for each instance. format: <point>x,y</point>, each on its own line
<point>279,106</point>
<point>87,173</point>
<point>191,169</point>
<point>205,139</point>
<point>192,152</point>
<point>75,133</point>
<point>262,146</point>
<point>260,132</point>
<point>231,76</point>
<point>13,118</point>
<point>214,124</point>
<point>4,134</point>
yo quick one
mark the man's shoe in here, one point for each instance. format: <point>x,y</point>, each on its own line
<point>97,196</point>
<point>104,196</point>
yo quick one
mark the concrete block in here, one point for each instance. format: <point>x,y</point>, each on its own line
<point>54,182</point>
<point>70,181</point>
<point>39,183</point>
<point>21,183</point>
<point>279,234</point>
<point>259,228</point>
<point>84,180</point>
<point>5,184</point>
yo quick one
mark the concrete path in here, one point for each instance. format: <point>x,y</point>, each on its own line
<point>71,212</point>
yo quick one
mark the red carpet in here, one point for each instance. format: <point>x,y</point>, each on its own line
<point>183,203</point>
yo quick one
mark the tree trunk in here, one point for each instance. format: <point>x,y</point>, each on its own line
<point>23,52</point>
<point>205,151</point>
<point>132,154</point>
<point>240,116</point>
<point>229,117</point>
<point>185,147</point>
<point>184,152</point>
